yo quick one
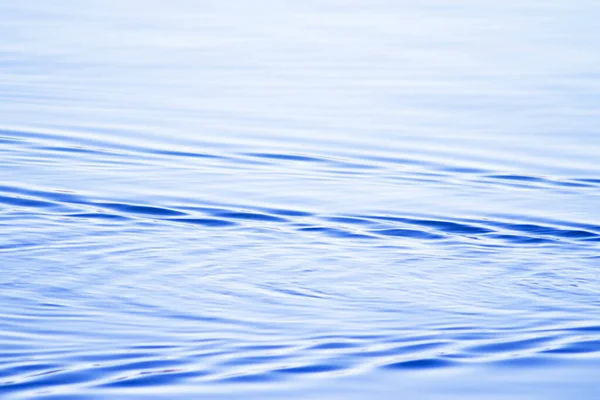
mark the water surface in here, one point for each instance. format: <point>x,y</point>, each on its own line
<point>335,199</point>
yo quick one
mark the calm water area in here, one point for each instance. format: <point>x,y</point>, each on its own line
<point>359,199</point>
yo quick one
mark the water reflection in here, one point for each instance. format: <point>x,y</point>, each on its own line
<point>326,199</point>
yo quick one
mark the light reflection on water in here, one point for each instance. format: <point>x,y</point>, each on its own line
<point>317,200</point>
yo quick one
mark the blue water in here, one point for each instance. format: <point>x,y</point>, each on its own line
<point>302,200</point>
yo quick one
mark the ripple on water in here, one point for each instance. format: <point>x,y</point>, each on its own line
<point>298,279</point>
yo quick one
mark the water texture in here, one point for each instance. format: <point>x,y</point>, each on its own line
<point>311,200</point>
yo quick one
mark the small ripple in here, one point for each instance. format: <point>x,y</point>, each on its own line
<point>29,369</point>
<point>75,149</point>
<point>50,378</point>
<point>527,181</point>
<point>516,178</point>
<point>99,215</point>
<point>209,222</point>
<point>139,209</point>
<point>407,233</point>
<point>511,346</point>
<point>587,329</point>
<point>249,216</point>
<point>144,366</point>
<point>263,377</point>
<point>443,226</point>
<point>404,350</point>
<point>421,364</point>
<point>311,369</point>
<point>574,184</point>
<point>23,202</point>
<point>464,170</point>
<point>334,232</point>
<point>351,220</point>
<point>452,227</point>
<point>187,154</point>
<point>152,378</point>
<point>287,213</point>
<point>335,346</point>
<point>594,182</point>
<point>9,140</point>
<point>250,360</point>
<point>299,292</point>
<point>533,229</point>
<point>580,347</point>
<point>401,161</point>
<point>516,239</point>
<point>287,157</point>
